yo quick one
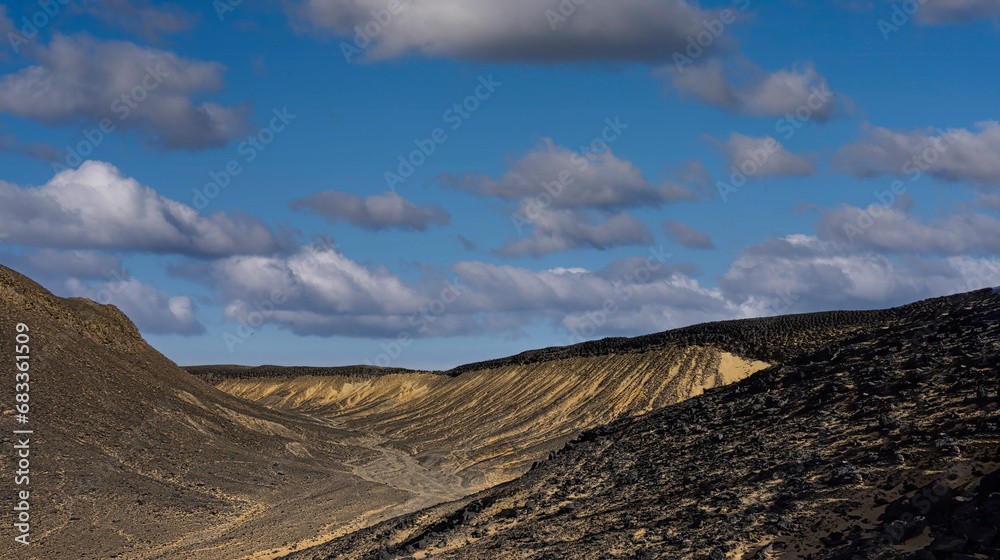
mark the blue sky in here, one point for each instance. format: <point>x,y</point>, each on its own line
<point>308,247</point>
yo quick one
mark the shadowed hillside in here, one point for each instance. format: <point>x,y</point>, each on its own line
<point>883,446</point>
<point>135,458</point>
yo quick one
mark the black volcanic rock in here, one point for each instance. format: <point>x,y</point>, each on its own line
<point>856,449</point>
<point>217,373</point>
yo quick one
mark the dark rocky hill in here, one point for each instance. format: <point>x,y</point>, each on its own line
<point>884,445</point>
<point>766,339</point>
<point>216,374</point>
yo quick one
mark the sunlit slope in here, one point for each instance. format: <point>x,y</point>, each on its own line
<point>489,425</point>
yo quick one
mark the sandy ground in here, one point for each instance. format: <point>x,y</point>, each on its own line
<point>449,437</point>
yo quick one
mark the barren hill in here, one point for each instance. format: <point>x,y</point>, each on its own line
<point>485,423</point>
<point>885,445</point>
<point>136,458</point>
<point>132,457</point>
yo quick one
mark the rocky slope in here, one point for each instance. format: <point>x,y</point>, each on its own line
<point>488,426</point>
<point>667,447</point>
<point>483,424</point>
<point>881,445</point>
<point>132,457</point>
<point>136,458</point>
<point>217,373</point>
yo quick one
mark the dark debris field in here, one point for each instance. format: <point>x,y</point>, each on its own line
<point>883,444</point>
